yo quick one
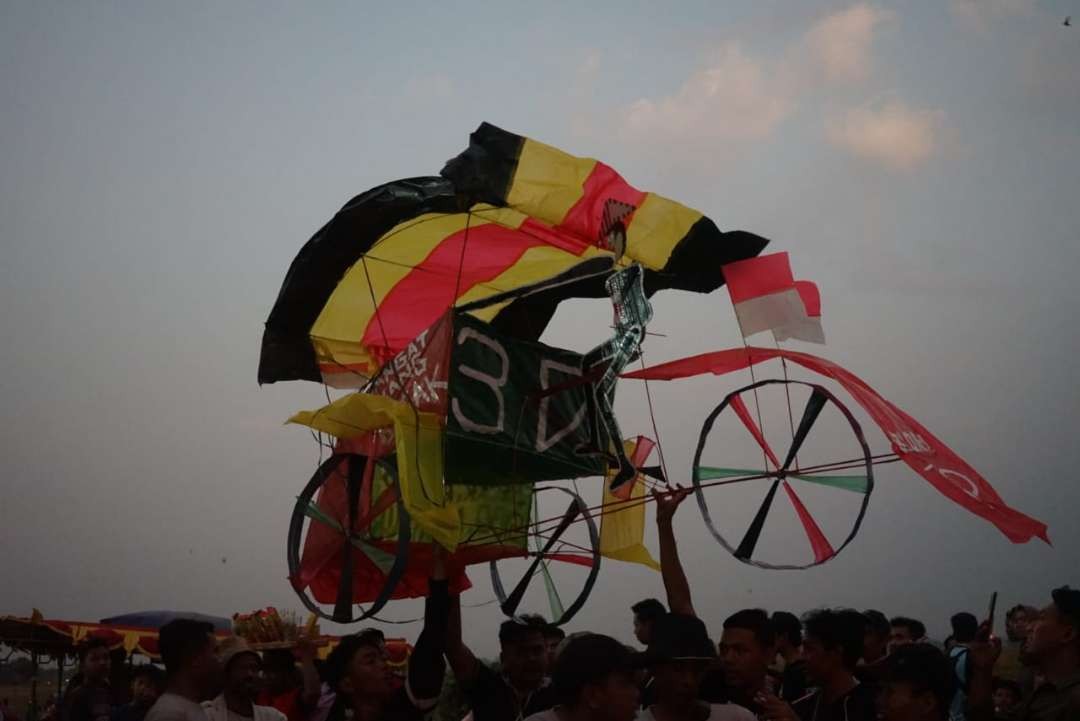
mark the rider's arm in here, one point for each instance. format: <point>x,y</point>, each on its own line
<point>671,569</point>
<point>462,661</point>
<point>426,666</point>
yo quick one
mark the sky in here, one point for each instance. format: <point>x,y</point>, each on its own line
<point>161,165</point>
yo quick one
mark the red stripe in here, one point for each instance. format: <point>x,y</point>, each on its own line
<point>823,550</point>
<point>418,299</point>
<point>755,277</point>
<point>585,217</point>
<point>811,297</point>
<point>741,411</point>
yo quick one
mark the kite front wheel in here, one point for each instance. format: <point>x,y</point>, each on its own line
<point>786,472</point>
<point>349,537</point>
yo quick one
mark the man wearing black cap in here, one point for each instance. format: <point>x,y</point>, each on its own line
<point>679,657</point>
<point>594,679</point>
<point>1052,647</point>
<point>916,685</point>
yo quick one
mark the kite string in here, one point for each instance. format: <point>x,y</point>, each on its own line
<point>461,261</point>
<point>656,429</point>
<point>757,404</point>
<point>787,394</point>
<point>397,377</point>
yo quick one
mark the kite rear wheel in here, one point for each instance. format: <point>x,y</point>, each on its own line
<point>776,473</point>
<point>550,546</point>
<point>346,499</point>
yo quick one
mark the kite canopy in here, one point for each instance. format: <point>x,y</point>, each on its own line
<point>511,228</point>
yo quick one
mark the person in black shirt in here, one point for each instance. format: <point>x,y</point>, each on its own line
<point>789,639</point>
<point>147,683</point>
<point>832,648</point>
<point>916,685</point>
<point>92,700</point>
<point>356,669</point>
<point>521,687</point>
<point>553,636</point>
<point>646,613</point>
<point>594,679</point>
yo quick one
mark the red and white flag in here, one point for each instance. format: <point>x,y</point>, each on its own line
<point>807,328</point>
<point>766,296</point>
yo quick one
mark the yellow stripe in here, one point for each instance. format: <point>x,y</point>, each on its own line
<point>548,182</point>
<point>657,227</point>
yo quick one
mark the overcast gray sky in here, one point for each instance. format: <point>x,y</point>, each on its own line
<point>161,165</point>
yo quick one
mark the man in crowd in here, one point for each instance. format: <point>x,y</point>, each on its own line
<point>291,688</point>
<point>147,683</point>
<point>521,688</point>
<point>876,638</point>
<point>646,613</point>
<point>916,685</point>
<point>679,656</point>
<point>904,630</point>
<point>358,673</point>
<point>193,671</point>
<point>594,679</point>
<point>1007,696</point>
<point>832,648</point>
<point>243,678</point>
<point>747,648</point>
<point>964,627</point>
<point>1008,666</point>
<point>92,700</point>
<point>553,636</point>
<point>792,668</point>
<point>1052,648</point>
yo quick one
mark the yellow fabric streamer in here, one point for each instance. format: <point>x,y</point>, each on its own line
<point>418,441</point>
<point>622,530</point>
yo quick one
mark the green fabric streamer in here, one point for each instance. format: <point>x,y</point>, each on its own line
<point>855,484</point>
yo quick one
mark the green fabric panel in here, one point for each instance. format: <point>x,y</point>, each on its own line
<point>855,484</point>
<point>501,432</point>
<point>317,514</point>
<point>552,593</point>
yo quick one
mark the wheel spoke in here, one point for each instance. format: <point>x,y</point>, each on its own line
<point>744,415</point>
<point>711,473</point>
<point>810,415</point>
<point>554,602</point>
<point>823,550</point>
<point>753,533</point>
<point>514,599</point>
<point>855,484</point>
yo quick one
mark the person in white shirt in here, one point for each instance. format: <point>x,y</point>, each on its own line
<point>679,656</point>
<point>194,674</point>
<point>243,671</point>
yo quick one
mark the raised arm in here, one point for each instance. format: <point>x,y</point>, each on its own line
<point>982,655</point>
<point>675,584</point>
<point>426,666</point>
<point>462,661</point>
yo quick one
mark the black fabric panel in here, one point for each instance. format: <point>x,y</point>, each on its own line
<point>485,170</point>
<point>286,349</point>
<point>695,262</point>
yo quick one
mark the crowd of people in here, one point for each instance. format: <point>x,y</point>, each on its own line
<point>833,664</point>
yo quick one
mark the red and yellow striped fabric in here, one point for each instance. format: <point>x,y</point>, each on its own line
<point>511,221</point>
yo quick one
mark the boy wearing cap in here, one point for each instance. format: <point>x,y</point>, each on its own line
<point>594,679</point>
<point>917,684</point>
<point>679,657</point>
<point>243,678</point>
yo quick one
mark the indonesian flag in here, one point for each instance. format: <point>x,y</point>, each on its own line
<point>808,327</point>
<point>766,296</point>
